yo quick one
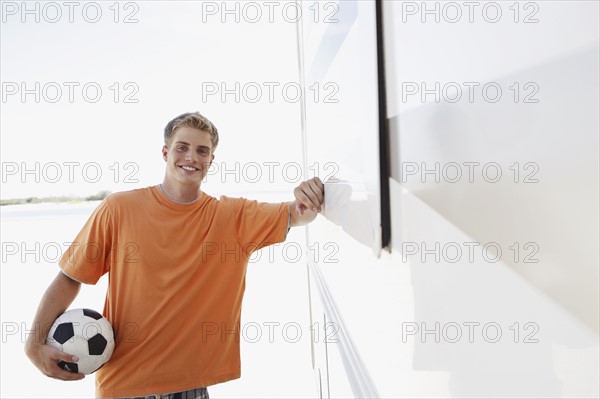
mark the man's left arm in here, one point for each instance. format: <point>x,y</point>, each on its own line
<point>310,196</point>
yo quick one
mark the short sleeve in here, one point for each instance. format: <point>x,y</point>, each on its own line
<point>88,256</point>
<point>259,224</point>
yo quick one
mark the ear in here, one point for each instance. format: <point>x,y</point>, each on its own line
<point>165,150</point>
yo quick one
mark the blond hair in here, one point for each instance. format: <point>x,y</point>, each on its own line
<point>194,120</point>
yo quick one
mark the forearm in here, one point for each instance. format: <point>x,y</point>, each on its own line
<point>57,298</point>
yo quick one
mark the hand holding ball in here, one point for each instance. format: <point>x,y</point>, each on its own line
<point>85,334</point>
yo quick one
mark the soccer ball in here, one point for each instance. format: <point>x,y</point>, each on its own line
<point>85,334</point>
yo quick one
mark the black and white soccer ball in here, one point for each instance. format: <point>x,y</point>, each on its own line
<point>86,334</point>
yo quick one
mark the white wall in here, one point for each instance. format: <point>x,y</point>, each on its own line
<point>550,209</point>
<point>426,320</point>
<point>554,139</point>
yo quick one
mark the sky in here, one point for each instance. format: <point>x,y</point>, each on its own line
<point>88,89</point>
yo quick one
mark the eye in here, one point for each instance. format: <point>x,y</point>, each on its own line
<point>181,148</point>
<point>203,151</point>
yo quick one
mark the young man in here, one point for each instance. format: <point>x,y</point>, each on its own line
<point>176,260</point>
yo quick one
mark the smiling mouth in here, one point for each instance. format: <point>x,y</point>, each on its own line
<point>188,168</point>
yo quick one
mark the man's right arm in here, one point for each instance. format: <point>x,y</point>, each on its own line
<point>59,295</point>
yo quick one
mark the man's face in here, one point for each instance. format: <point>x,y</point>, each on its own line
<point>188,156</point>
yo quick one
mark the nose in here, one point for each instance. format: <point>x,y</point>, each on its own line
<point>190,156</point>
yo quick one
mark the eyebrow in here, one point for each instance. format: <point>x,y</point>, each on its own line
<point>200,146</point>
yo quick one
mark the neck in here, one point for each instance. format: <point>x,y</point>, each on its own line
<point>179,193</point>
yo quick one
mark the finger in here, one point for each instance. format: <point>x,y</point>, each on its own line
<point>66,357</point>
<point>302,198</point>
<point>320,190</point>
<point>62,356</point>
<point>319,183</point>
<point>59,373</point>
<point>314,195</point>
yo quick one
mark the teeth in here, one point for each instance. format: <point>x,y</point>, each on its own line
<point>188,168</point>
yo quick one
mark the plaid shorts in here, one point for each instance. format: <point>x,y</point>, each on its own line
<point>198,393</point>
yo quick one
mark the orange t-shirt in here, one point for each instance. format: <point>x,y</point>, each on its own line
<point>176,278</point>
